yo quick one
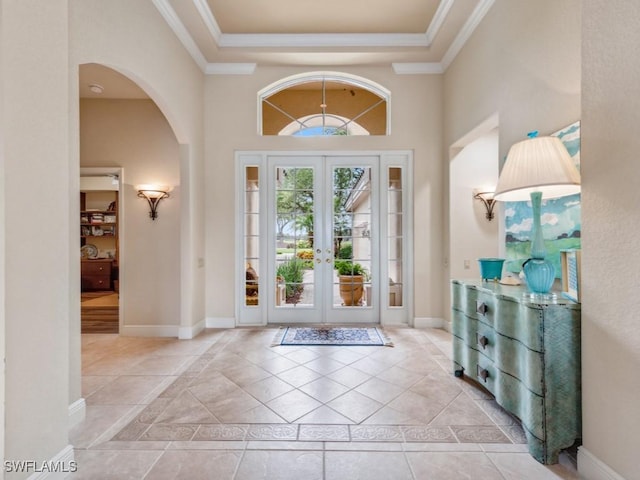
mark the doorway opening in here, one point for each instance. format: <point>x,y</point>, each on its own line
<point>100,220</point>
<point>325,238</point>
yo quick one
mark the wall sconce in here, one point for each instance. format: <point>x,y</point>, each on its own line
<point>487,199</point>
<point>153,194</point>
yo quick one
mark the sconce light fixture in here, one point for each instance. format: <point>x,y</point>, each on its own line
<point>488,201</point>
<point>153,194</point>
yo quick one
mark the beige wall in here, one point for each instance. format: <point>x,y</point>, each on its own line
<point>130,43</point>
<point>2,238</point>
<point>523,64</point>
<point>471,235</point>
<point>416,115</point>
<point>135,136</point>
<point>45,42</point>
<point>610,229</point>
<point>36,132</point>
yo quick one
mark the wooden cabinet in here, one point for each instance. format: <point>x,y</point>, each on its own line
<point>99,239</point>
<point>96,274</point>
<point>526,354</point>
<point>99,225</point>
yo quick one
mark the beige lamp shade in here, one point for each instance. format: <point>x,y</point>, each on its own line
<point>539,164</point>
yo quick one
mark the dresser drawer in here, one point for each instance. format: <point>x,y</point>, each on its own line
<point>96,267</point>
<point>473,333</point>
<point>96,274</point>
<point>515,359</point>
<point>96,282</point>
<point>520,322</point>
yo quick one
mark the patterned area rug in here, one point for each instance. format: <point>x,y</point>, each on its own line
<point>343,336</point>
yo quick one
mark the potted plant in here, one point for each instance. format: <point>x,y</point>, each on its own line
<point>351,276</point>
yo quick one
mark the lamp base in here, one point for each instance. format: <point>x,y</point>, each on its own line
<point>540,297</point>
<point>539,274</point>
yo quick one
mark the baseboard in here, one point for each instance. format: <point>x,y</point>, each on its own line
<point>427,322</point>
<point>591,467</point>
<point>221,322</point>
<point>150,330</point>
<point>77,412</point>
<point>58,467</point>
<point>187,333</point>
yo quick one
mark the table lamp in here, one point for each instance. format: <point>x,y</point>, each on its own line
<point>537,168</point>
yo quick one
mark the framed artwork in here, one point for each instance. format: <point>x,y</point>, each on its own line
<point>561,218</point>
<point>570,261</point>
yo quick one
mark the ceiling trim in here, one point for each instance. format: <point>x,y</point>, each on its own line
<point>438,19</point>
<point>466,31</point>
<point>170,16</point>
<point>294,40</point>
<point>417,68</point>
<point>380,40</point>
<point>209,20</point>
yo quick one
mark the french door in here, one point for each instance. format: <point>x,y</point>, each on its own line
<point>319,233</point>
<point>325,215</point>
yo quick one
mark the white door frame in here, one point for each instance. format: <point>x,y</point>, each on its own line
<point>258,314</point>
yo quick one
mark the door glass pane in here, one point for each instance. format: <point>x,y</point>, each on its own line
<point>251,235</point>
<point>294,237</point>
<point>351,236</point>
<point>395,237</point>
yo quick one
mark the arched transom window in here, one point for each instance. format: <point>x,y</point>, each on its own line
<point>324,103</point>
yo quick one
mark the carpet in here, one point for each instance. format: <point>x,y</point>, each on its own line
<point>343,336</point>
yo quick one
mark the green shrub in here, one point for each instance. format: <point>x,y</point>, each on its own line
<point>292,271</point>
<point>346,251</point>
<point>346,267</point>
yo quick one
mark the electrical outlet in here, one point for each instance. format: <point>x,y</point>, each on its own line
<point>467,264</point>
<point>200,262</point>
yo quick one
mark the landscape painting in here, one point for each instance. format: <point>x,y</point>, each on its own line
<point>561,218</point>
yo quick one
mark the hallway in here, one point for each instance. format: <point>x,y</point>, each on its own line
<point>226,405</point>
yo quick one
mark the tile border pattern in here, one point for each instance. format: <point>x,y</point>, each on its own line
<point>143,429</point>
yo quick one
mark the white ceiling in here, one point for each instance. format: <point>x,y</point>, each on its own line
<point>234,36</point>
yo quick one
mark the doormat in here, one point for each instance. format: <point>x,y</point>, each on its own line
<point>343,336</point>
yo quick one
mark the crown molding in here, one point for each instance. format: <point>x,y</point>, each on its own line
<point>294,40</point>
<point>326,40</point>
<point>170,16</point>
<point>209,20</point>
<point>230,68</point>
<point>438,19</point>
<point>466,31</point>
<point>423,68</point>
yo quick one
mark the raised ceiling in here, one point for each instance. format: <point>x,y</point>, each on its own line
<point>232,36</point>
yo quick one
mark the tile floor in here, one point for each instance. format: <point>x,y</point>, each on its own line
<point>226,405</point>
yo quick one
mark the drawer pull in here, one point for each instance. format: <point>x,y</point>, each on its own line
<point>481,308</point>
<point>483,341</point>
<point>483,373</point>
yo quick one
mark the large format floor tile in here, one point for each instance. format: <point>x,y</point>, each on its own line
<point>226,405</point>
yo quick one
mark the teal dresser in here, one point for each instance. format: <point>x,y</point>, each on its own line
<point>526,354</point>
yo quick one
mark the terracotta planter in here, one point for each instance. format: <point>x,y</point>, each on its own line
<point>351,289</point>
